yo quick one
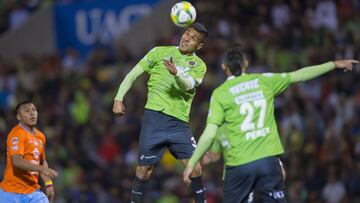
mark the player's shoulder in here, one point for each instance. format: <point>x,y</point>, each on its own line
<point>221,88</point>
<point>162,48</point>
<point>198,59</point>
<point>39,133</point>
<point>17,131</point>
<point>160,51</point>
<point>271,75</point>
<point>236,80</point>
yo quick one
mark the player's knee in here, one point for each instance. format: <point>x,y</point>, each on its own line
<point>144,172</point>
<point>197,171</point>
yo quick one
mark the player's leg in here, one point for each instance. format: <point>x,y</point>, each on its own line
<point>182,145</point>
<point>36,197</point>
<point>9,197</point>
<point>238,184</point>
<point>271,183</point>
<point>197,186</point>
<point>143,173</point>
<point>151,148</point>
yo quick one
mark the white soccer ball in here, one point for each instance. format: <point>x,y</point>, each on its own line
<point>183,14</point>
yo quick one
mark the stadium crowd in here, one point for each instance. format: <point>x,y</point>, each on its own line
<point>95,153</point>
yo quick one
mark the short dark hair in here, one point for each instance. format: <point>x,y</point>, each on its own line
<point>235,59</point>
<point>18,106</point>
<point>201,29</point>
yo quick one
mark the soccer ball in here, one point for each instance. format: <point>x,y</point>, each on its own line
<point>183,14</point>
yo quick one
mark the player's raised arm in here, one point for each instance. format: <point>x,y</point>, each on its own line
<point>310,72</point>
<point>118,107</point>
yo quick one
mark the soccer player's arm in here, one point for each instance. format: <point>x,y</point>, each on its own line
<point>191,80</point>
<point>145,64</point>
<point>279,82</point>
<point>49,189</point>
<point>310,72</point>
<point>184,83</point>
<point>16,143</point>
<point>44,163</point>
<point>215,150</point>
<point>128,82</point>
<point>214,120</point>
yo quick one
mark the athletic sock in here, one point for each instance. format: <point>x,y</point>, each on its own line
<point>138,190</point>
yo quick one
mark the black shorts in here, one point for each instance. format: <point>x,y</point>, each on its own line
<point>160,131</point>
<point>264,176</point>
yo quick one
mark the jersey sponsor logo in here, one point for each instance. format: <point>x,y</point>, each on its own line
<point>14,148</point>
<point>224,141</point>
<point>36,153</point>
<point>244,86</point>
<point>35,142</point>
<point>225,144</point>
<point>15,140</point>
<point>249,97</point>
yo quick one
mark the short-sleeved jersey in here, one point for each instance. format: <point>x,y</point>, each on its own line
<point>246,105</point>
<point>164,94</point>
<point>21,141</point>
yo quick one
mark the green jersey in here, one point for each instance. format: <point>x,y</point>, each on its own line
<point>164,93</point>
<point>246,105</point>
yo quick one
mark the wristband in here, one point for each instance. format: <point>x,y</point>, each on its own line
<point>48,183</point>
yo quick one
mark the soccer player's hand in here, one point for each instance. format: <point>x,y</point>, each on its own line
<point>186,175</point>
<point>170,66</point>
<point>50,173</point>
<point>347,64</point>
<point>50,193</point>
<point>118,108</point>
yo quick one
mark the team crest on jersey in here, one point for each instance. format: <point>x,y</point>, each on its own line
<point>192,63</point>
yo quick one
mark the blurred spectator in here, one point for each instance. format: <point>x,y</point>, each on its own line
<point>280,14</point>
<point>18,15</point>
<point>72,61</point>
<point>326,15</point>
<point>334,190</point>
